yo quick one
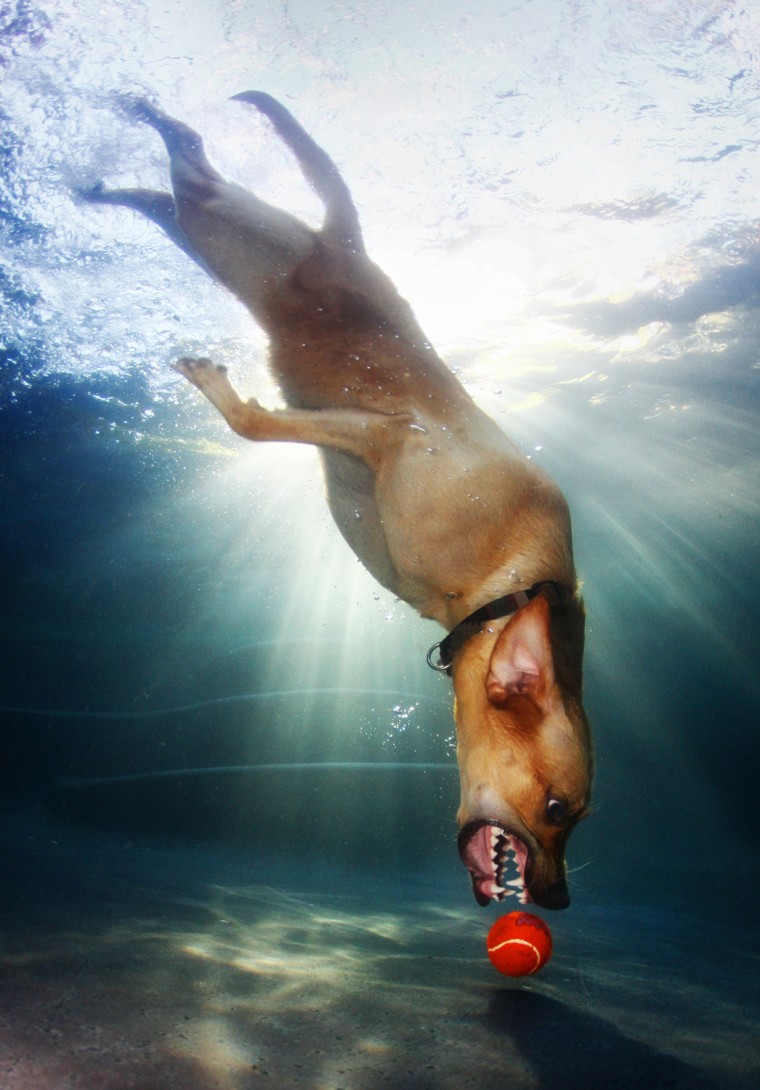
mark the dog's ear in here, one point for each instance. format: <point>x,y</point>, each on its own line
<point>521,662</point>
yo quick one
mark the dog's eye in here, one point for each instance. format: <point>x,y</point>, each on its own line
<point>556,809</point>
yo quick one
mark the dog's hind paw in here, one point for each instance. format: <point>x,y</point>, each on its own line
<point>93,193</point>
<point>136,106</point>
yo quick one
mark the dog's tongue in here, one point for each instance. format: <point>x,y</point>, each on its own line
<point>485,889</point>
<point>476,854</point>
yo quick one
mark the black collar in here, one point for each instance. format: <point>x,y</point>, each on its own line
<point>501,607</point>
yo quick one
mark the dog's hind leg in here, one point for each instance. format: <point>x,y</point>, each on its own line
<point>248,245</point>
<point>154,204</point>
<point>151,203</point>
<point>340,262</point>
<point>341,223</point>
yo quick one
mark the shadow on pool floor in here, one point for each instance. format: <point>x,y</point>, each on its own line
<point>133,965</point>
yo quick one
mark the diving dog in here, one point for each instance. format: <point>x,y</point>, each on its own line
<point>435,501</point>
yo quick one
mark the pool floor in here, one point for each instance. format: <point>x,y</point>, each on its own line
<point>151,965</point>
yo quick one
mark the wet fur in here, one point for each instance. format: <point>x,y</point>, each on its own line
<point>430,494</point>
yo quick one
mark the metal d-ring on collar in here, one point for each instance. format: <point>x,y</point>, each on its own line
<point>501,607</point>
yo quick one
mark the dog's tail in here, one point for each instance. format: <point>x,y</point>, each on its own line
<point>341,219</point>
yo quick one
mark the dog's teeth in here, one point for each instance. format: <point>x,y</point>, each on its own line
<point>516,883</point>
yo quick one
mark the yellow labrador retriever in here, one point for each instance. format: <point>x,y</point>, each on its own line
<point>432,497</point>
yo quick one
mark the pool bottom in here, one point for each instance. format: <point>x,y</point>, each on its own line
<point>147,965</point>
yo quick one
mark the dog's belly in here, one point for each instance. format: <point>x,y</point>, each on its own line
<point>350,486</point>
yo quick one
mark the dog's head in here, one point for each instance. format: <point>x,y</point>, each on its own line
<point>524,753</point>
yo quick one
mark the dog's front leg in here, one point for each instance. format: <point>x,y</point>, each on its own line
<point>367,435</point>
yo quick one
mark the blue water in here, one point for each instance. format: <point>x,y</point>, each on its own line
<point>228,775</point>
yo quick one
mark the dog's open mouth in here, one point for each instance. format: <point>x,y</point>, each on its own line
<point>496,859</point>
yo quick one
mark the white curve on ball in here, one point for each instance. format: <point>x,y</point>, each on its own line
<point>521,942</point>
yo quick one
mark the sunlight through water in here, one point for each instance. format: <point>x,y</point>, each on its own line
<point>234,859</point>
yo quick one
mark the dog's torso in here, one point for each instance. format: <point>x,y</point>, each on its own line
<point>430,494</point>
<point>342,337</point>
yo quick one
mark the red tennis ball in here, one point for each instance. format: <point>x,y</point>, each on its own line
<point>519,944</point>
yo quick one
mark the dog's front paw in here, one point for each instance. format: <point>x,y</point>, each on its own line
<point>197,368</point>
<point>193,365</point>
<point>202,372</point>
<point>213,381</point>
